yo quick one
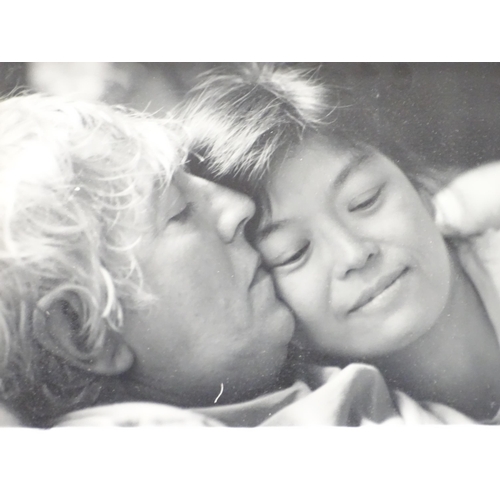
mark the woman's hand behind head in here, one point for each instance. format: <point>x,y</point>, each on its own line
<point>470,204</point>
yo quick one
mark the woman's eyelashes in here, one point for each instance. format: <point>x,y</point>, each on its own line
<point>366,200</point>
<point>286,259</point>
<point>296,256</point>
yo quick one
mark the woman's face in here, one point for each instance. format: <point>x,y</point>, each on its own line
<point>353,250</point>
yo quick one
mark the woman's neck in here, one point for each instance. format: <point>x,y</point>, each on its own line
<point>458,361</point>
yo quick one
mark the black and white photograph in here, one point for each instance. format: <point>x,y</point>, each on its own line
<point>250,244</point>
<point>247,245</point>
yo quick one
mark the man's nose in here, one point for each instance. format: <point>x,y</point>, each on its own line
<point>232,211</point>
<point>349,251</point>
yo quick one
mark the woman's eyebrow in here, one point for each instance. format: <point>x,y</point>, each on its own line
<point>270,227</point>
<point>355,162</point>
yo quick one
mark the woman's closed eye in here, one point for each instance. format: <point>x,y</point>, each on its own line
<point>366,200</point>
<point>285,259</point>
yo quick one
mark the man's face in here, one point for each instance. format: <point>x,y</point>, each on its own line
<point>216,322</point>
<point>353,250</point>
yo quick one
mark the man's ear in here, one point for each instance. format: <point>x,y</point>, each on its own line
<point>60,330</point>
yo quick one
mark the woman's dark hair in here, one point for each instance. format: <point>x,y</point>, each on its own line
<point>243,123</point>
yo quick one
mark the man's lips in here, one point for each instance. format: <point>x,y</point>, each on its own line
<point>374,291</point>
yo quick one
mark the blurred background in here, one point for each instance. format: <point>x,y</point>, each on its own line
<point>447,112</point>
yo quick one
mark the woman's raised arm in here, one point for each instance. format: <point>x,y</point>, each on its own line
<point>470,204</point>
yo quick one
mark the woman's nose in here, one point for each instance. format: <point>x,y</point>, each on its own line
<point>350,251</point>
<point>232,211</point>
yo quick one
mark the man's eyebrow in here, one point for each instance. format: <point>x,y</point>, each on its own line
<point>158,202</point>
<point>156,198</point>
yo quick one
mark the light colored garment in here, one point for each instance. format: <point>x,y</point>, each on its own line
<point>353,396</point>
<point>356,395</point>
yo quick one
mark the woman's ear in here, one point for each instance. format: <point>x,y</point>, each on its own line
<point>59,325</point>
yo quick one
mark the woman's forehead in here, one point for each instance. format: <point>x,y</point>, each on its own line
<point>316,161</point>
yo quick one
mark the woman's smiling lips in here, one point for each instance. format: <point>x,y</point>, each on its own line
<point>378,291</point>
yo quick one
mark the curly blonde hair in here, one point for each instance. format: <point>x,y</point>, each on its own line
<point>74,180</point>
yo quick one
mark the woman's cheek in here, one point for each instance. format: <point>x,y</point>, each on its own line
<point>402,219</point>
<point>301,293</point>
<point>284,288</point>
